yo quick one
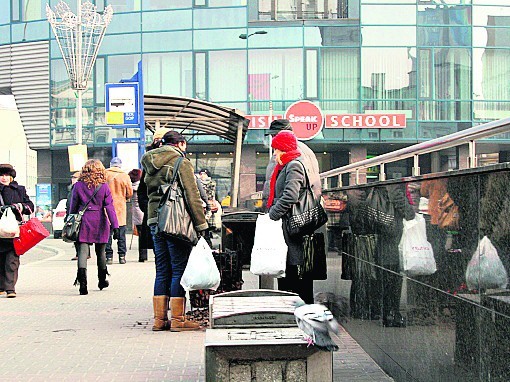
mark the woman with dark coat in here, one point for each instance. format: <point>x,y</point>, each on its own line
<point>12,196</point>
<point>288,180</point>
<point>95,226</point>
<point>136,212</point>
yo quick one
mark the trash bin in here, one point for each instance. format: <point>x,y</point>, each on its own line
<point>238,232</point>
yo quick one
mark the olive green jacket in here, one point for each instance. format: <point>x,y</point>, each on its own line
<point>158,165</point>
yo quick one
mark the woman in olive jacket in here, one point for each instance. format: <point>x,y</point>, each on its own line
<point>13,196</point>
<point>287,182</point>
<point>171,255</point>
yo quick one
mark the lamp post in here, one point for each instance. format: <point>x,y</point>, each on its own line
<point>244,36</point>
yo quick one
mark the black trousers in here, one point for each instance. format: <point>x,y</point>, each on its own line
<point>9,265</point>
<point>292,283</point>
<point>121,243</point>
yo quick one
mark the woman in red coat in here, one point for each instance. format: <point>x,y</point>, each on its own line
<point>95,223</point>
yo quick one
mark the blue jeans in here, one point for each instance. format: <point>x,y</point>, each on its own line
<point>171,256</point>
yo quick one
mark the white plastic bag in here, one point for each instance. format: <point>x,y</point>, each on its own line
<point>269,253</point>
<point>9,226</point>
<point>201,271</point>
<point>485,269</point>
<point>417,257</point>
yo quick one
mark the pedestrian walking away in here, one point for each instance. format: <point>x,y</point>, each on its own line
<point>13,197</point>
<point>92,194</point>
<point>136,213</point>
<point>171,254</point>
<point>121,189</point>
<point>74,179</point>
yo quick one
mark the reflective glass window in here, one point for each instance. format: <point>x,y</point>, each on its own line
<point>388,36</point>
<point>123,43</point>
<point>120,6</point>
<point>275,74</point>
<point>218,39</point>
<point>488,111</point>
<point>5,15</point>
<point>200,75</point>
<point>227,85</point>
<point>226,3</point>
<point>122,67</point>
<point>491,74</point>
<point>167,20</point>
<point>332,36</point>
<point>168,73</point>
<point>127,22</point>
<point>386,73</point>
<point>100,71</point>
<point>165,4</point>
<point>276,38</point>
<point>167,41</point>
<point>219,18</point>
<point>33,10</point>
<point>339,73</point>
<point>438,14</point>
<point>444,36</point>
<point>302,10</point>
<point>31,31</point>
<point>388,14</point>
<point>388,1</point>
<point>490,2</point>
<point>5,34</point>
<point>444,111</point>
<point>491,37</point>
<point>491,16</point>
<point>15,10</point>
<point>312,90</point>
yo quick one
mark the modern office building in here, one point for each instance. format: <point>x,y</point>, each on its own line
<point>383,74</point>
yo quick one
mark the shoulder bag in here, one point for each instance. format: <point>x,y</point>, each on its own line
<point>174,219</point>
<point>71,229</point>
<point>307,214</point>
<point>379,212</point>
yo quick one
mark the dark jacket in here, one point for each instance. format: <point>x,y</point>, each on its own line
<point>143,201</point>
<point>12,194</point>
<point>95,226</point>
<point>290,183</point>
<point>158,165</point>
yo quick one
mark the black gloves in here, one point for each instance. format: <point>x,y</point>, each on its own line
<point>116,233</point>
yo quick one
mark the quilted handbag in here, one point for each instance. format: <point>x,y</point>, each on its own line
<point>307,214</point>
<point>379,212</point>
<point>30,234</point>
<point>174,219</point>
<point>71,229</point>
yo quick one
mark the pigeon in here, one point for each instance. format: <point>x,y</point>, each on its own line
<point>317,321</point>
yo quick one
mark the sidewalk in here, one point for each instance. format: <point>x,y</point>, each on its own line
<point>50,332</point>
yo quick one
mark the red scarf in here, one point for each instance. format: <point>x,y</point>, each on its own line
<point>285,158</point>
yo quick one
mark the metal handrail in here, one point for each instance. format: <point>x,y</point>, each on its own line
<point>448,141</point>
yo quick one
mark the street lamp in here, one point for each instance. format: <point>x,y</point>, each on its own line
<point>245,36</point>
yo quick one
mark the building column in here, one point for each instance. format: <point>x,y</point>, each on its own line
<point>357,154</point>
<point>463,155</point>
<point>247,176</point>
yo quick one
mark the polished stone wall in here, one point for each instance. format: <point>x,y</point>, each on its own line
<point>426,324</point>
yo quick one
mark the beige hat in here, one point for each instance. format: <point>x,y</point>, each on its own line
<point>158,134</point>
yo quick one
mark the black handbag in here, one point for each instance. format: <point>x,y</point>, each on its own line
<point>380,212</point>
<point>174,219</point>
<point>314,264</point>
<point>307,214</point>
<point>71,229</point>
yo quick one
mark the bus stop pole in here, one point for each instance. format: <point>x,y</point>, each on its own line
<point>237,164</point>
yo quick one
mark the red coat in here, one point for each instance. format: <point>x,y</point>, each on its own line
<point>100,213</point>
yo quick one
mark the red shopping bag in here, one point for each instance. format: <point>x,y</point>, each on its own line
<point>30,233</point>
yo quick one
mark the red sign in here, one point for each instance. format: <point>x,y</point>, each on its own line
<point>306,119</point>
<point>367,121</point>
<point>261,121</point>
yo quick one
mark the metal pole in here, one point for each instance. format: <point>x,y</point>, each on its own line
<point>79,121</point>
<point>237,165</point>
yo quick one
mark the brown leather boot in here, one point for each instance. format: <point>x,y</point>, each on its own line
<point>179,323</point>
<point>160,304</point>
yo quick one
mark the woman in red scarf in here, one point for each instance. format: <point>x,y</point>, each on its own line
<point>287,182</point>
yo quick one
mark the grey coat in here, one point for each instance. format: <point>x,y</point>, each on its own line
<point>290,183</point>
<point>309,159</point>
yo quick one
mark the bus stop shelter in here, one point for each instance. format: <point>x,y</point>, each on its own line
<point>192,117</point>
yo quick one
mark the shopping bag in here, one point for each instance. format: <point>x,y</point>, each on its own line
<point>485,269</point>
<point>30,233</point>
<point>416,254</point>
<point>269,253</point>
<point>201,272</point>
<point>9,226</point>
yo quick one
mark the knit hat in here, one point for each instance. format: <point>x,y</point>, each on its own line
<point>284,141</point>
<point>278,125</point>
<point>158,134</point>
<point>7,169</point>
<point>206,171</point>
<point>116,162</point>
<point>172,138</point>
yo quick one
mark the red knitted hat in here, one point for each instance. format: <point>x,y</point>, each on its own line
<point>284,141</point>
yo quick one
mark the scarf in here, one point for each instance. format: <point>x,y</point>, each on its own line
<point>285,158</point>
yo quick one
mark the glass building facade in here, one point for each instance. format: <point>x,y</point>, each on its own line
<point>444,64</point>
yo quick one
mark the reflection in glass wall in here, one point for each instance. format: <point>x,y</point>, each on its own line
<point>168,73</point>
<point>297,10</point>
<point>230,85</point>
<point>339,75</point>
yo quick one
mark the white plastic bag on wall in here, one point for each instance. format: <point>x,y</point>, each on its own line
<point>201,271</point>
<point>485,269</point>
<point>269,253</point>
<point>416,254</point>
